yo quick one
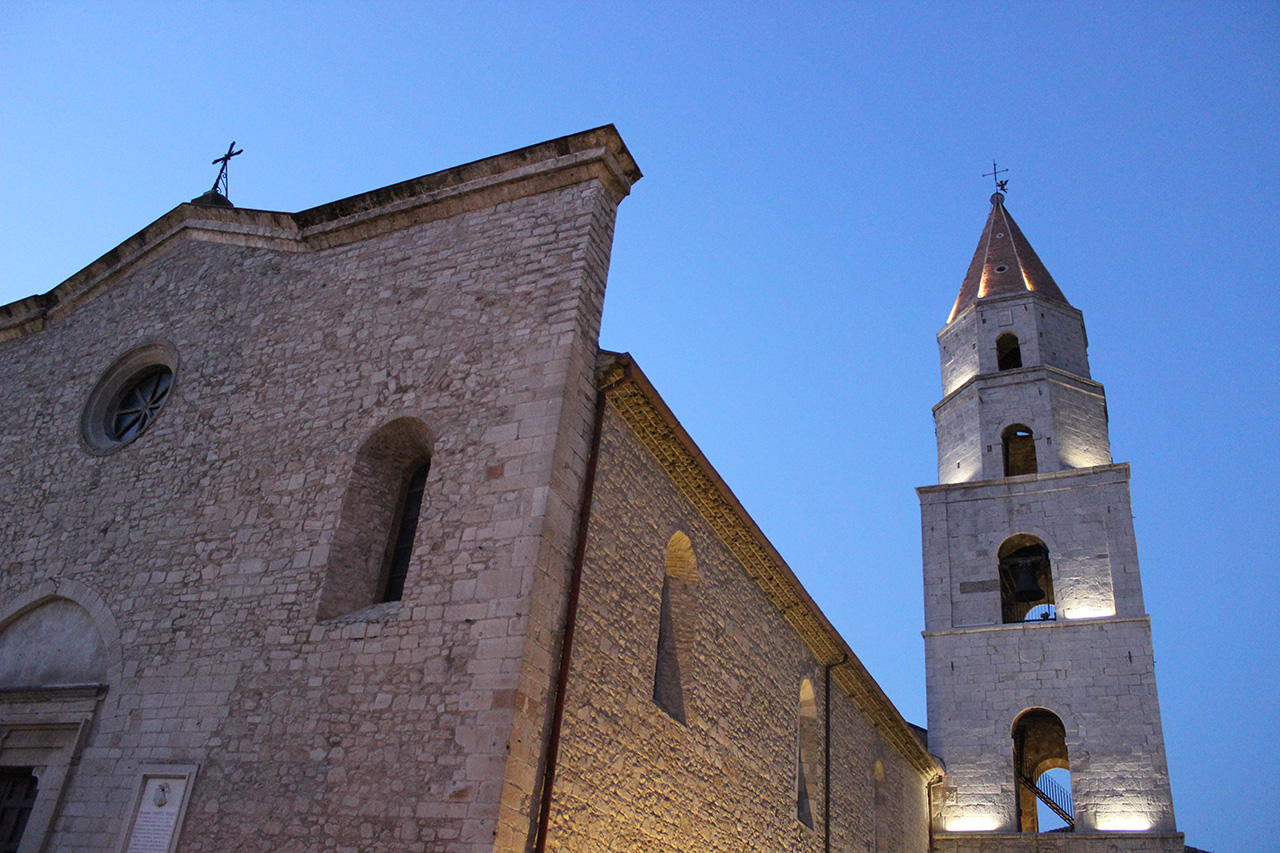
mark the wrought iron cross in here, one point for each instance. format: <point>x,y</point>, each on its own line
<point>995,173</point>
<point>221,185</point>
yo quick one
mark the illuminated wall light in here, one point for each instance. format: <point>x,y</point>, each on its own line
<point>1083,458</point>
<point>1085,611</point>
<point>967,472</point>
<point>972,823</point>
<point>1124,823</point>
<point>959,379</point>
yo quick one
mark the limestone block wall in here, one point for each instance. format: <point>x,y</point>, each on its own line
<point>1080,433</point>
<point>958,346</point>
<point>631,777</point>
<point>1005,399</point>
<point>1067,416</point>
<point>412,725</point>
<point>1083,517</point>
<point>958,422</point>
<point>1097,675</point>
<point>1049,333</point>
<point>1061,337</point>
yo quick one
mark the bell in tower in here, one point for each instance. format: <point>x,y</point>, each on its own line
<point>1025,564</point>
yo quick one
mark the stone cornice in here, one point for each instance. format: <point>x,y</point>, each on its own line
<point>995,300</point>
<point>54,693</point>
<point>638,403</point>
<point>1056,624</point>
<point>1024,483</point>
<point>598,154</point>
<point>1018,375</point>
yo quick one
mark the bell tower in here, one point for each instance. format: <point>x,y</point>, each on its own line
<point>1041,680</point>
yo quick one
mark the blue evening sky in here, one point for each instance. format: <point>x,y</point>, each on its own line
<point>813,195</point>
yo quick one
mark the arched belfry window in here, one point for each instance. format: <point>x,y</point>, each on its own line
<point>1026,580</point>
<point>1019,450</point>
<point>1008,352</point>
<point>806,754</point>
<point>1043,773</point>
<point>677,626</point>
<point>371,550</point>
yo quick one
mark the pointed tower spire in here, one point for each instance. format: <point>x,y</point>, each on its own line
<point>1004,263</point>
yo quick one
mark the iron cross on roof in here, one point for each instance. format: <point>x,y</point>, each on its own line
<point>220,185</point>
<point>995,173</point>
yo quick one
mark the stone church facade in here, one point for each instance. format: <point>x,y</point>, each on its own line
<point>336,531</point>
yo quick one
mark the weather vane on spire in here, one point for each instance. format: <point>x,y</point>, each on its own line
<point>220,185</point>
<point>995,174</point>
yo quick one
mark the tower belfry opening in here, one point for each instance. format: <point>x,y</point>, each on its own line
<point>1019,450</point>
<point>1026,581</point>
<point>1008,352</point>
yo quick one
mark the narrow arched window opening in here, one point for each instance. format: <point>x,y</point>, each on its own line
<point>1043,773</point>
<point>1019,450</point>
<point>1008,352</point>
<point>677,626</point>
<point>1026,580</point>
<point>386,494</point>
<point>881,800</point>
<point>806,753</point>
<point>406,530</point>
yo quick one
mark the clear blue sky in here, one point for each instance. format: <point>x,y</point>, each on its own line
<point>813,194</point>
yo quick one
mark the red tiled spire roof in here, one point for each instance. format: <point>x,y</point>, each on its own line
<point>1004,263</point>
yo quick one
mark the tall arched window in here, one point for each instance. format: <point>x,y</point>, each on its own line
<point>18,789</point>
<point>806,753</point>
<point>881,798</point>
<point>1008,352</point>
<point>401,547</point>
<point>1043,772</point>
<point>677,626</point>
<point>1019,450</point>
<point>370,552</point>
<point>1026,580</point>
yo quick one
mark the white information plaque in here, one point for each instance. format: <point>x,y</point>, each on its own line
<point>158,809</point>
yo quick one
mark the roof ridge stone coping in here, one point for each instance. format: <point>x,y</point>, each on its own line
<point>592,154</point>
<point>633,397</point>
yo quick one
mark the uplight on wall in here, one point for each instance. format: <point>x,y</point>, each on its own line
<point>1086,457</point>
<point>1087,611</point>
<point>1124,823</point>
<point>972,823</point>
<point>967,471</point>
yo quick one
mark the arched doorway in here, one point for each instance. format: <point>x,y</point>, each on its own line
<point>1040,746</point>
